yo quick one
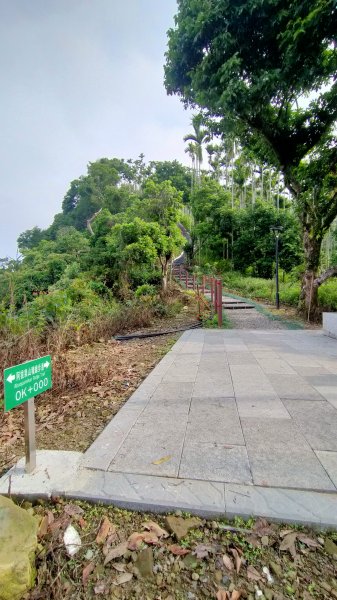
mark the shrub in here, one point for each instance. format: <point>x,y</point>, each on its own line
<point>145,290</point>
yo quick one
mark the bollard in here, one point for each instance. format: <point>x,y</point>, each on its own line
<point>212,289</point>
<point>186,280</point>
<point>180,272</point>
<point>215,296</point>
<point>203,285</point>
<point>219,302</point>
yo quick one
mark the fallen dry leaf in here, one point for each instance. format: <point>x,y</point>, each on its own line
<point>308,541</point>
<point>178,550</point>
<point>162,460</point>
<point>253,574</point>
<point>236,595</point>
<point>262,528</point>
<point>237,559</point>
<point>222,595</point>
<point>122,578</point>
<point>156,529</point>
<point>86,572</point>
<point>73,509</point>
<point>120,567</point>
<point>285,532</point>
<point>135,540</point>
<point>203,550</point>
<point>43,527</point>
<point>227,561</point>
<point>105,529</point>
<point>101,587</point>
<point>116,552</point>
<point>288,543</point>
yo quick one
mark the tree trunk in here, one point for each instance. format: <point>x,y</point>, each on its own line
<point>308,302</point>
<point>164,271</point>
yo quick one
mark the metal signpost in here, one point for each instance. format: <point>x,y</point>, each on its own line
<point>21,384</point>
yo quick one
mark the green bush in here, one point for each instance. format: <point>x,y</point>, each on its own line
<point>145,290</point>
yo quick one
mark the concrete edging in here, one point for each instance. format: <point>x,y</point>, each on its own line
<point>61,474</point>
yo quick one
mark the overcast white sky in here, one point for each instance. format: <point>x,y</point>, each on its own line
<point>80,80</point>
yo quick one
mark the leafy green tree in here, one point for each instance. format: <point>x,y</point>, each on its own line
<point>161,202</point>
<point>213,230</point>
<point>173,171</point>
<point>140,245</point>
<point>29,238</point>
<point>254,244</point>
<point>268,72</point>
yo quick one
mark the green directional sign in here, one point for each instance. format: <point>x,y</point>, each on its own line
<point>26,381</point>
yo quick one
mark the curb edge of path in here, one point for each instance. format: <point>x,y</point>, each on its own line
<point>60,474</point>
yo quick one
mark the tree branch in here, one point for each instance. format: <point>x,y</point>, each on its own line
<point>89,221</point>
<point>331,272</point>
<point>332,213</point>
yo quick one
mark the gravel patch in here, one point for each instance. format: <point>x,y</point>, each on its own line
<point>252,319</point>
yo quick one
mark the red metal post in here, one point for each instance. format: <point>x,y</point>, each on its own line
<point>219,302</point>
<point>186,279</point>
<point>212,289</point>
<point>215,296</point>
<point>180,272</point>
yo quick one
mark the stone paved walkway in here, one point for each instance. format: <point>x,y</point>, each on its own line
<point>235,421</point>
<point>239,407</point>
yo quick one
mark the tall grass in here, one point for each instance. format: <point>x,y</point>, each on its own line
<point>264,289</point>
<point>16,348</point>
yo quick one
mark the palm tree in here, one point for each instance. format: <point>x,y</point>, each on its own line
<point>197,138</point>
<point>191,150</point>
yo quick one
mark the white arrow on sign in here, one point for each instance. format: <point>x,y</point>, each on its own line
<point>46,364</point>
<point>10,378</point>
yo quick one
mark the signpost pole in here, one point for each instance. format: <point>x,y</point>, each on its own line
<point>21,384</point>
<point>30,444</point>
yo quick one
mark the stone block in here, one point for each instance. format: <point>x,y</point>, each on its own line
<point>280,456</point>
<point>330,324</point>
<point>329,462</point>
<point>317,422</point>
<point>215,462</point>
<point>284,505</point>
<point>214,421</point>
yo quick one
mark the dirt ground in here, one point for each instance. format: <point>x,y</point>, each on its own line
<point>125,555</point>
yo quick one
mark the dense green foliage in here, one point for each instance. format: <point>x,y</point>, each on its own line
<point>118,232</point>
<point>242,238</point>
<point>267,71</point>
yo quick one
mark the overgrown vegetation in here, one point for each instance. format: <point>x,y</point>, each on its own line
<point>103,265</point>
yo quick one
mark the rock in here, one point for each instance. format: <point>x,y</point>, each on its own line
<point>276,569</point>
<point>190,562</point>
<point>265,540</point>
<point>180,526</point>
<point>144,563</point>
<point>18,542</point>
<point>330,547</point>
<point>195,576</point>
<point>269,594</point>
<point>218,576</point>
